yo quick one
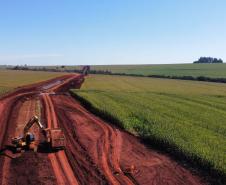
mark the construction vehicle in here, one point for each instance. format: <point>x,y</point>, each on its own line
<point>85,70</point>
<point>53,138</point>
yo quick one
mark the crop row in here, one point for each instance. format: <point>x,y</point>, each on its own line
<point>188,118</point>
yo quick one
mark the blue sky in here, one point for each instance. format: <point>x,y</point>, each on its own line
<point>47,32</point>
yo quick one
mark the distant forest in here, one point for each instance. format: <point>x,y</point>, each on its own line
<point>208,60</point>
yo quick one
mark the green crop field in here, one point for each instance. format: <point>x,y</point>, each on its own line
<point>188,115</point>
<point>195,70</point>
<point>10,79</point>
<point>179,70</point>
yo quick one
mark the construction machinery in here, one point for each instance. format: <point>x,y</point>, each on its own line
<point>85,70</point>
<point>53,138</point>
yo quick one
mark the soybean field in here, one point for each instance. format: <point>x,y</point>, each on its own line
<point>188,116</point>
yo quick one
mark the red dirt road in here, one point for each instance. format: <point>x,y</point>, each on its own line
<point>95,153</point>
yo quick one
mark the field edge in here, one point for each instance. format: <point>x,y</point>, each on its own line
<point>196,164</point>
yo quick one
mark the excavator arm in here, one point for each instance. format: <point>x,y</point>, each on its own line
<point>31,122</point>
<point>85,70</point>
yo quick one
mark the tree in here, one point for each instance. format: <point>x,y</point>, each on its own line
<point>208,60</point>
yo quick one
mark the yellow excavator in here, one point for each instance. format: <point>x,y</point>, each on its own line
<point>54,137</point>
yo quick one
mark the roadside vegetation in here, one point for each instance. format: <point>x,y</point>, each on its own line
<point>187,118</point>
<point>10,79</point>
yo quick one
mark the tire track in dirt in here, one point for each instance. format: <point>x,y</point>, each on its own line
<point>86,171</point>
<point>104,161</point>
<point>60,164</point>
<point>119,156</point>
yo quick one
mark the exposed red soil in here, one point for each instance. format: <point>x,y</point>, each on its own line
<point>95,153</point>
<point>112,152</point>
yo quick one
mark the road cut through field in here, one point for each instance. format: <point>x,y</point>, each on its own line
<point>95,153</point>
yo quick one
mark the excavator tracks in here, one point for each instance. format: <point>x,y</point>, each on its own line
<point>59,161</point>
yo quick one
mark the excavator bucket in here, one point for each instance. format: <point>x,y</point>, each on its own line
<point>57,138</point>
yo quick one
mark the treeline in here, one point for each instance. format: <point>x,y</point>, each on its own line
<point>208,60</point>
<point>57,69</point>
